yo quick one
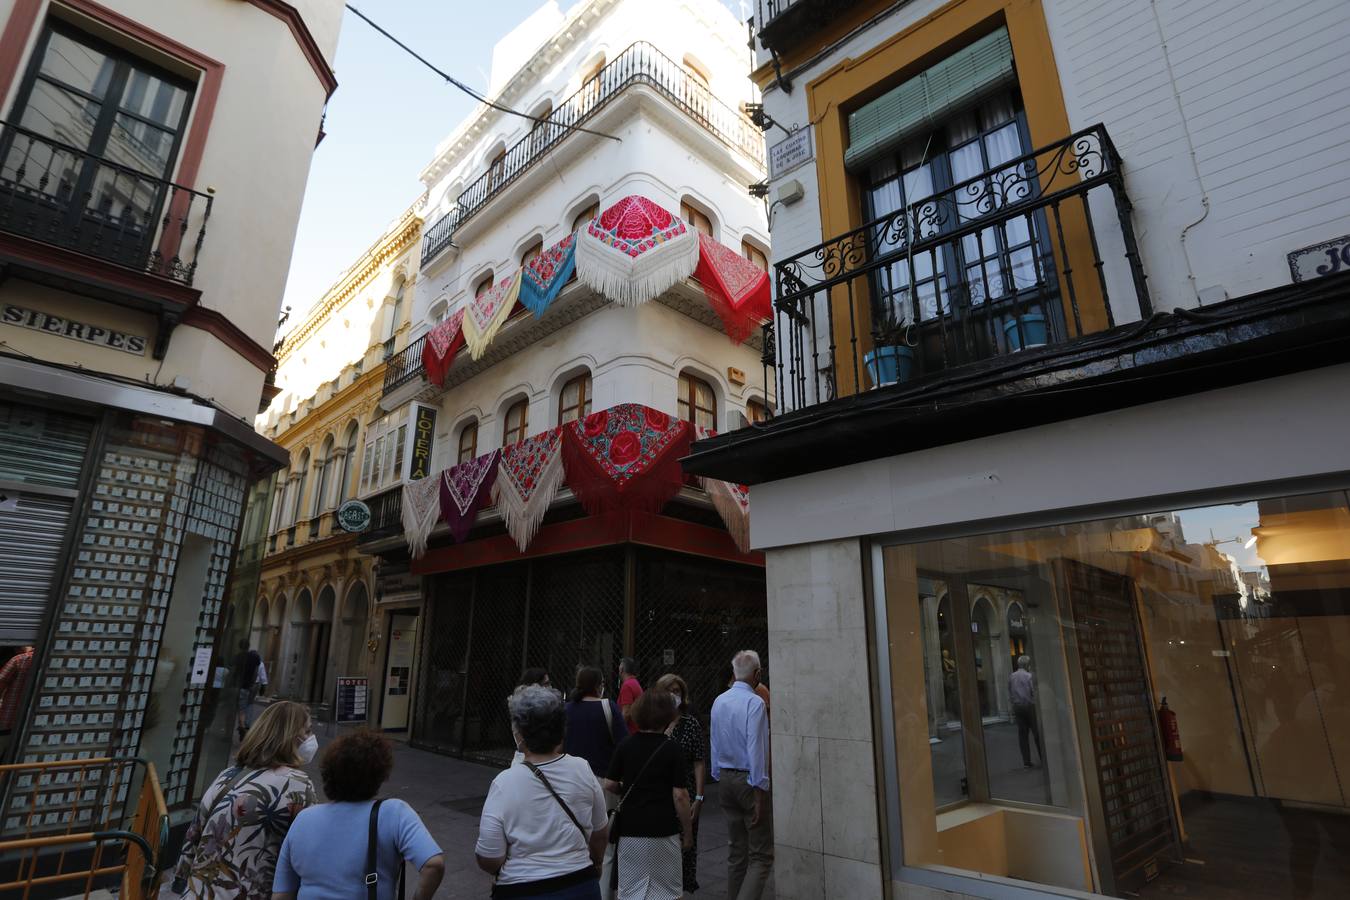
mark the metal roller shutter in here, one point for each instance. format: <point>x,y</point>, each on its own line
<point>41,456</point>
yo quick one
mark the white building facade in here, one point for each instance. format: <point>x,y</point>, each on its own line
<point>1060,328</point>
<point>635,99</point>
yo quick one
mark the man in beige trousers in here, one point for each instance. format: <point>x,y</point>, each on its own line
<point>740,763</point>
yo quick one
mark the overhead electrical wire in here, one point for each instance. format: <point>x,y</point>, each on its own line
<point>468,90</point>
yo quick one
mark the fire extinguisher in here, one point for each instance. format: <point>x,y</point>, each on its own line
<point>1171,735</point>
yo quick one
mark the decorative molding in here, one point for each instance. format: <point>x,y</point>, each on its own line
<point>406,234</point>
<point>308,46</point>
<point>214,323</point>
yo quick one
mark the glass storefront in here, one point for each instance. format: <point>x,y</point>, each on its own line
<point>1139,706</point>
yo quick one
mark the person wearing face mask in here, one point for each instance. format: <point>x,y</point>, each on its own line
<point>231,848</point>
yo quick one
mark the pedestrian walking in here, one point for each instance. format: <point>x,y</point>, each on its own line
<point>231,847</point>
<point>629,690</point>
<point>245,669</point>
<point>544,828</point>
<point>688,733</point>
<point>740,764</point>
<point>652,820</point>
<point>529,677</point>
<point>1022,692</point>
<point>333,850</point>
<point>595,727</point>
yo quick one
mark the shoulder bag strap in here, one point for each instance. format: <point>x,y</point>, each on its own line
<point>609,719</point>
<point>638,777</point>
<point>236,781</point>
<point>372,852</point>
<point>567,809</point>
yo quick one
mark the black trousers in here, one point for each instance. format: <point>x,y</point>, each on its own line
<point>1026,724</point>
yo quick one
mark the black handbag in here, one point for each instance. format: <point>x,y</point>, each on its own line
<point>372,854</point>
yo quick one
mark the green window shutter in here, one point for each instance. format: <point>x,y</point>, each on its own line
<point>914,106</point>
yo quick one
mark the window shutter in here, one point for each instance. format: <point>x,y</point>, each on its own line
<point>905,111</point>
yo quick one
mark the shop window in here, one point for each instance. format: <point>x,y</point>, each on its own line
<point>468,442</point>
<point>755,255</point>
<point>531,252</point>
<point>697,402</point>
<point>1051,665</point>
<point>698,219</point>
<point>575,400</point>
<point>516,423</point>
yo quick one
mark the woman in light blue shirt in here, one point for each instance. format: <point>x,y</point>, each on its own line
<point>324,854</point>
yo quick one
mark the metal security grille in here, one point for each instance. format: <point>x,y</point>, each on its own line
<point>484,626</point>
<point>693,615</point>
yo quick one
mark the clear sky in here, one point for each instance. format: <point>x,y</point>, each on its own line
<point>385,121</point>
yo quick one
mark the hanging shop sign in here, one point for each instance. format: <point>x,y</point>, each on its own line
<point>423,441</point>
<point>36,320</point>
<point>352,695</point>
<point>1321,260</point>
<point>353,516</point>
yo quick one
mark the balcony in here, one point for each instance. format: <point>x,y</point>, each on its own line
<point>783,24</point>
<point>642,64</point>
<point>55,195</point>
<point>386,515</point>
<point>404,366</point>
<point>1036,253</point>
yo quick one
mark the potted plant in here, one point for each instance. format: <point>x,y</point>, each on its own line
<point>1026,331</point>
<point>892,358</point>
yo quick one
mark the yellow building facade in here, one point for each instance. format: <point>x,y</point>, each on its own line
<point>312,621</point>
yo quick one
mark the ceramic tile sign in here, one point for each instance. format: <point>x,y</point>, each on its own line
<point>1329,258</point>
<point>789,153</point>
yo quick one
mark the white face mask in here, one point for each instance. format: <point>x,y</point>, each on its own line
<point>308,747</point>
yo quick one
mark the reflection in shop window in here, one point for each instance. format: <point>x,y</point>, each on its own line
<point>1039,661</point>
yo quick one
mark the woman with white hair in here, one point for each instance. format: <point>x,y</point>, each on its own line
<point>544,828</point>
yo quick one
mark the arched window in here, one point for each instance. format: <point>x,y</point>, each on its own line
<point>590,81</point>
<point>344,484</point>
<point>696,69</point>
<point>755,255</point>
<point>468,442</point>
<point>323,463</point>
<point>483,286</point>
<point>279,500</point>
<point>590,212</point>
<point>517,423</point>
<point>541,132</point>
<point>531,252</point>
<point>756,411</point>
<point>698,403</point>
<point>396,310</point>
<point>302,479</point>
<point>575,400</point>
<point>497,168</point>
<point>697,218</point>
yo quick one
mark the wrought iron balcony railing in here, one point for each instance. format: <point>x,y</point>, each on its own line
<point>641,63</point>
<point>386,514</point>
<point>782,24</point>
<point>60,195</point>
<point>1038,251</point>
<point>404,366</point>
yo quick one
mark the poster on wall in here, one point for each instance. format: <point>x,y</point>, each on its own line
<point>353,693</point>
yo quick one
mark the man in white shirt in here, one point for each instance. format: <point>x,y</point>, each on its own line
<point>1022,692</point>
<point>740,763</point>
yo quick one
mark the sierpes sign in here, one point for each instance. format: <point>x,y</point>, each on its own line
<point>423,441</point>
<point>791,152</point>
<point>47,323</point>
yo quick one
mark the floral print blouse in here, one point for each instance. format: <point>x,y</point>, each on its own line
<point>231,847</point>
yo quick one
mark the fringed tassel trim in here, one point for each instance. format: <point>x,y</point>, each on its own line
<point>633,281</point>
<point>421,512</point>
<point>523,517</point>
<point>477,341</point>
<point>734,516</point>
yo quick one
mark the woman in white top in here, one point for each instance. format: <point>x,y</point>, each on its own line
<point>544,829</point>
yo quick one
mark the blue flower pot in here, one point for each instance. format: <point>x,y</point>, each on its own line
<point>888,365</point>
<point>1033,333</point>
